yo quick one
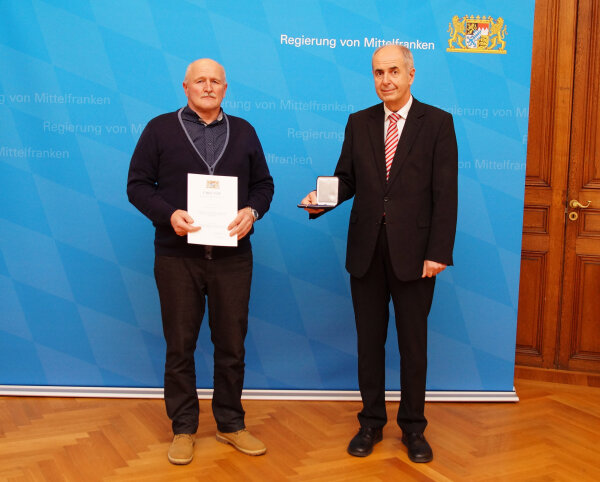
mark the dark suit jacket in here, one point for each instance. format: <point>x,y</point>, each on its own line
<point>420,198</point>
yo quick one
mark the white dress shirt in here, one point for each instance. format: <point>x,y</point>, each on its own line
<point>403,112</point>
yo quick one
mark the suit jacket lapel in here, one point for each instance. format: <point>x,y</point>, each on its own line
<point>376,135</point>
<point>411,128</point>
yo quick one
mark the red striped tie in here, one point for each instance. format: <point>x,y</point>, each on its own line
<point>391,141</point>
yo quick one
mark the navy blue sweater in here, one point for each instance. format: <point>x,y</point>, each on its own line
<point>157,181</point>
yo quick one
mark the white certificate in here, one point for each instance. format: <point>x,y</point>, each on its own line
<point>212,204</point>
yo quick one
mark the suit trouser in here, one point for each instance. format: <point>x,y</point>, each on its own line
<point>184,284</point>
<point>412,301</point>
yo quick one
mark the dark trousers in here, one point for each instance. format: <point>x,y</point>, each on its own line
<point>184,285</point>
<point>412,302</point>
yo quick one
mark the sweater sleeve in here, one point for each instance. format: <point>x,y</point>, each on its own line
<point>143,177</point>
<point>260,186</point>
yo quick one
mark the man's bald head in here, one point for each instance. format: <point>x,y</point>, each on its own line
<point>205,86</point>
<point>204,64</point>
<point>393,73</point>
<point>402,51</point>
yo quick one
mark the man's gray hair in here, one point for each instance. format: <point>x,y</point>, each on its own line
<point>407,55</point>
<point>189,68</point>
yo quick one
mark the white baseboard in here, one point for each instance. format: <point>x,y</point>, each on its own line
<point>251,394</point>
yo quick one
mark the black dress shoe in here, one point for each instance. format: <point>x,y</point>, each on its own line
<point>419,450</point>
<point>362,443</point>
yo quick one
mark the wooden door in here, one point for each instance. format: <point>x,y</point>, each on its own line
<point>559,304</point>
<point>579,340</point>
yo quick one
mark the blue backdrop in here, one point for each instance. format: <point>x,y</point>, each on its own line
<point>79,81</point>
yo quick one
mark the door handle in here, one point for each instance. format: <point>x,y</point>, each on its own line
<point>574,203</point>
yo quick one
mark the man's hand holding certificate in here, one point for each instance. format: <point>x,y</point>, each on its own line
<point>242,223</point>
<point>183,223</point>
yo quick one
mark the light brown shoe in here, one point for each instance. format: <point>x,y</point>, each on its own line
<point>243,441</point>
<point>181,451</point>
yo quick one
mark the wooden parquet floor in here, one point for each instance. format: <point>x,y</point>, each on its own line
<point>552,434</point>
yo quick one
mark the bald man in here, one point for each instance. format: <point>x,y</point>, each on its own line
<point>399,161</point>
<point>200,138</point>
